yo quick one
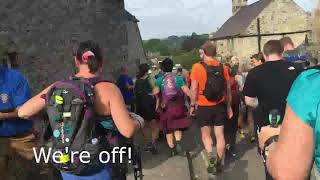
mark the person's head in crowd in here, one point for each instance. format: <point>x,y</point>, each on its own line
<point>124,70</point>
<point>257,59</point>
<point>231,69</point>
<point>143,70</point>
<point>209,50</point>
<point>159,67</point>
<point>179,71</point>
<point>287,43</point>
<point>273,50</point>
<point>201,54</point>
<point>244,68</point>
<point>89,58</point>
<point>234,60</point>
<point>167,65</point>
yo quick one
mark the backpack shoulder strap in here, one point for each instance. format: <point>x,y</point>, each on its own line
<point>96,80</point>
<point>204,65</point>
<point>221,66</point>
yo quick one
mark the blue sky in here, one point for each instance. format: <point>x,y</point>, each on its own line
<point>162,18</point>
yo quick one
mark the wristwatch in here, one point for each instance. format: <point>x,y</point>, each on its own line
<point>267,146</point>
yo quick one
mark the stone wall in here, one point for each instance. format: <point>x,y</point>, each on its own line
<point>280,16</point>
<point>136,53</point>
<point>47,32</point>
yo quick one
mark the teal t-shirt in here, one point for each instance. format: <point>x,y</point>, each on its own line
<point>304,99</point>
<point>150,83</point>
<point>179,82</point>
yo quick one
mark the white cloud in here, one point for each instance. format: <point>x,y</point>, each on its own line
<point>162,18</point>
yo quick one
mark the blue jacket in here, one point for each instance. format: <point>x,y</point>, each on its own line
<point>14,91</point>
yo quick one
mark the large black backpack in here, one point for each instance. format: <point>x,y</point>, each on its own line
<point>215,84</point>
<point>141,89</point>
<point>73,126</point>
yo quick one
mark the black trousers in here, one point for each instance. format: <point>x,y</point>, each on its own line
<point>231,126</point>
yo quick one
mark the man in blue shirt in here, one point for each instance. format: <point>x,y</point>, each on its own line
<point>125,84</point>
<point>16,138</point>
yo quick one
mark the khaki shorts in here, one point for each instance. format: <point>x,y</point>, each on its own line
<point>17,159</point>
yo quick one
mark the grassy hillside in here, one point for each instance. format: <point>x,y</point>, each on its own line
<point>184,49</point>
<point>187,58</point>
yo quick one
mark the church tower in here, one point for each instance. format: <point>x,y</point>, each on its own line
<point>237,5</point>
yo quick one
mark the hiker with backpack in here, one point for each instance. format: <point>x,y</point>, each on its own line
<point>299,55</point>
<point>211,102</point>
<point>146,107</point>
<point>73,107</point>
<point>173,113</point>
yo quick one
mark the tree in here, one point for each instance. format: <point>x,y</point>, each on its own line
<point>191,43</point>
<point>187,59</point>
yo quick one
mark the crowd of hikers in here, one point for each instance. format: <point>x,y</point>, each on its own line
<point>277,101</point>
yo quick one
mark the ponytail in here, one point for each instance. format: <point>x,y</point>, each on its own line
<point>93,64</point>
<point>90,53</point>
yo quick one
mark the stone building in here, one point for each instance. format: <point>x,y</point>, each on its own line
<point>45,33</point>
<point>136,53</point>
<point>316,24</point>
<point>239,35</point>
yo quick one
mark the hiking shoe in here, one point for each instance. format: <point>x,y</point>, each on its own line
<point>228,147</point>
<point>148,147</point>
<point>242,135</point>
<point>218,168</point>
<point>173,152</point>
<point>212,169</point>
<point>179,149</point>
<point>154,149</point>
<point>230,151</point>
<point>252,138</point>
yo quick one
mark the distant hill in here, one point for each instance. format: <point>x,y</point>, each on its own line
<point>174,44</point>
<point>183,49</point>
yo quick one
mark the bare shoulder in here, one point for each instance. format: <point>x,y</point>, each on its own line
<point>106,88</point>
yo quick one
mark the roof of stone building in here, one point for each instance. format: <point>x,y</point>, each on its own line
<point>131,17</point>
<point>238,23</point>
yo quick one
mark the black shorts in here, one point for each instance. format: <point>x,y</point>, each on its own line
<point>147,108</point>
<point>211,115</point>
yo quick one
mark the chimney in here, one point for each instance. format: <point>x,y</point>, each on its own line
<point>237,5</point>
